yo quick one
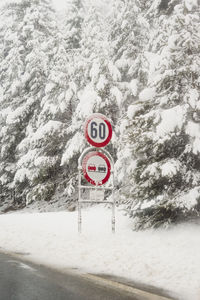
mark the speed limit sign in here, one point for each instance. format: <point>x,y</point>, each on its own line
<point>98,130</point>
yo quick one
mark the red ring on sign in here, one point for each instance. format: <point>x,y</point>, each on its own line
<point>90,141</point>
<point>87,177</point>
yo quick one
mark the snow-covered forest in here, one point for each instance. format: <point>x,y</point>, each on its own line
<point>138,63</point>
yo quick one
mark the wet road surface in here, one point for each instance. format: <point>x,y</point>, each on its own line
<point>25,281</point>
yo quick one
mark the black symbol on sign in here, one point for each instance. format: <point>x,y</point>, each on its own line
<point>98,130</point>
<point>102,169</point>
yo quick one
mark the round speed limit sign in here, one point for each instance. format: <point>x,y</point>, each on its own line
<point>98,130</point>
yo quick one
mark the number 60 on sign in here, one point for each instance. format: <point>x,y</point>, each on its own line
<point>98,130</point>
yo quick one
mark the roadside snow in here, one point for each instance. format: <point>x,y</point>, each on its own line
<point>168,259</point>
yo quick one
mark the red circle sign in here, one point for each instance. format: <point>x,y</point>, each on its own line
<point>96,168</point>
<point>98,130</point>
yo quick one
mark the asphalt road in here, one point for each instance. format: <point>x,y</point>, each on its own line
<point>25,281</point>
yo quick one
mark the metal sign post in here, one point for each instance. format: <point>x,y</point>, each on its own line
<point>96,166</point>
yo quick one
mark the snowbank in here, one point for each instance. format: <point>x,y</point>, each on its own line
<point>168,259</point>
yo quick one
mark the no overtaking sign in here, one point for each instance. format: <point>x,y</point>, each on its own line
<point>96,168</point>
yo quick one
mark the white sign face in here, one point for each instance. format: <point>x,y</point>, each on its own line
<point>97,195</point>
<point>96,168</point>
<point>98,130</point>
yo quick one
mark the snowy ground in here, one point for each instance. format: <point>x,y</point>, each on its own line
<point>169,259</point>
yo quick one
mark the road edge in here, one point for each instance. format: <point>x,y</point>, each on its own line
<point>110,281</point>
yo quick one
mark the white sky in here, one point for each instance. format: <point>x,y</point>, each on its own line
<point>102,5</point>
<point>60,4</point>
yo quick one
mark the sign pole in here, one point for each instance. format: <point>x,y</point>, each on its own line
<point>79,201</point>
<point>96,165</point>
<point>113,205</point>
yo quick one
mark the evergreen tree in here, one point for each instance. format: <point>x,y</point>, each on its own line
<point>98,91</point>
<point>28,29</point>
<point>128,38</point>
<point>57,108</point>
<point>163,130</point>
<point>72,25</point>
<point>48,141</point>
<point>46,144</point>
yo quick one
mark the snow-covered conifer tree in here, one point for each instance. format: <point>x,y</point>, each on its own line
<point>98,91</point>
<point>72,24</point>
<point>128,38</point>
<point>57,109</point>
<point>28,28</point>
<point>163,185</point>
